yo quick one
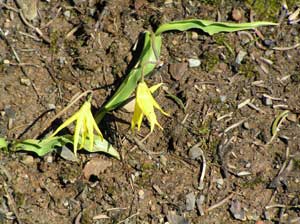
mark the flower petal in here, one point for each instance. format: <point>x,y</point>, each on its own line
<point>66,123</point>
<point>155,87</point>
<point>90,130</point>
<point>137,117</point>
<point>78,129</point>
<point>144,99</point>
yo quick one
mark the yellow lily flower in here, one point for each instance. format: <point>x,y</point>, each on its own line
<point>85,125</point>
<point>144,105</point>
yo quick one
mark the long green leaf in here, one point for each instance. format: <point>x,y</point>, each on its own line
<point>145,65</point>
<point>41,147</point>
<point>278,120</point>
<point>209,27</point>
<point>44,146</point>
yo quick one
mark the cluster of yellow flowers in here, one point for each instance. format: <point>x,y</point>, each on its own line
<point>86,124</point>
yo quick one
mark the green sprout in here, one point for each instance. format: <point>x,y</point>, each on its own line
<point>151,53</point>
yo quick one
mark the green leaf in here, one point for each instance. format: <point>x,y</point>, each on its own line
<point>3,144</point>
<point>176,99</point>
<point>209,27</point>
<point>278,120</point>
<point>41,147</point>
<point>101,145</point>
<point>146,64</point>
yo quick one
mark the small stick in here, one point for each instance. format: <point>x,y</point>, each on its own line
<point>11,202</point>
<point>142,141</point>
<point>129,218</point>
<point>286,48</point>
<point>235,125</point>
<point>251,105</point>
<point>220,203</point>
<point>201,180</point>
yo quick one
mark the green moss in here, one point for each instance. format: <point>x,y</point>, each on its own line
<point>211,2</point>
<point>222,39</point>
<point>295,77</point>
<point>54,36</point>
<point>20,199</point>
<point>296,163</point>
<point>110,190</point>
<point>267,9</point>
<point>248,70</point>
<point>147,166</point>
<point>257,180</point>
<point>86,217</point>
<point>209,60</point>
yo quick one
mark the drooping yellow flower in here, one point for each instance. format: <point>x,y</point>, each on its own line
<point>85,125</point>
<point>144,105</point>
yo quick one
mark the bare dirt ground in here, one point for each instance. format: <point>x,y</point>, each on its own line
<point>245,80</point>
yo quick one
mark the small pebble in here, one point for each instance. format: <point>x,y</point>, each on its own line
<point>27,160</point>
<point>248,165</point>
<point>141,194</point>
<point>268,43</point>
<point>49,159</point>
<point>168,2</point>
<point>269,52</point>
<point>246,125</point>
<point>163,160</point>
<point>67,14</point>
<point>25,82</point>
<point>6,62</point>
<point>237,15</point>
<point>237,211</point>
<point>194,35</point>
<point>51,106</point>
<point>292,117</point>
<point>66,203</point>
<point>223,98</point>
<point>267,101</point>
<point>195,152</point>
<point>199,203</point>
<point>190,200</point>
<point>220,183</point>
<point>129,107</point>
<point>194,62</point>
<point>10,123</point>
<point>240,57</point>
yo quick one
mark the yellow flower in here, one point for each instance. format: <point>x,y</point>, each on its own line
<point>144,105</point>
<point>85,125</point>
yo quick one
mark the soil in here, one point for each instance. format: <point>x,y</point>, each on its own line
<point>225,122</point>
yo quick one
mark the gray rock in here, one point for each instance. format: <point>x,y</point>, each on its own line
<point>240,57</point>
<point>190,200</point>
<point>173,218</point>
<point>267,101</point>
<point>237,211</point>
<point>163,160</point>
<point>195,152</point>
<point>194,62</point>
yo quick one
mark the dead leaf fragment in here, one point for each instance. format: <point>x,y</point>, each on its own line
<point>177,70</point>
<point>95,167</point>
